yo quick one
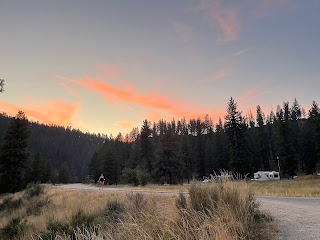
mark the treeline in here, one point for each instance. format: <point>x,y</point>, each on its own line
<point>176,151</point>
<point>33,152</point>
<point>163,152</point>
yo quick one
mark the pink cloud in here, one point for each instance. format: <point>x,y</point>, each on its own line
<point>223,73</point>
<point>248,95</point>
<point>53,112</point>
<point>226,17</point>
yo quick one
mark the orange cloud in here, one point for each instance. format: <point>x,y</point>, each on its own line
<point>226,72</point>
<point>151,100</point>
<point>226,17</point>
<point>52,112</point>
<point>126,126</point>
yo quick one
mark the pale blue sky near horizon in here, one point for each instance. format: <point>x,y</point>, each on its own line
<point>105,66</point>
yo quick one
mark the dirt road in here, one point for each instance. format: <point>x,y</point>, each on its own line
<point>298,218</point>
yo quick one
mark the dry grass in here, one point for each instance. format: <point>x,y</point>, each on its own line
<point>301,187</point>
<point>213,211</point>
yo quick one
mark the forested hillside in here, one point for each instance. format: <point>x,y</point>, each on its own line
<point>165,152</point>
<point>61,150</point>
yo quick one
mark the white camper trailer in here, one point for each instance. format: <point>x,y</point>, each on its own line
<point>266,175</point>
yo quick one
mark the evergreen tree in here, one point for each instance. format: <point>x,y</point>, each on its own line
<point>311,139</point>
<point>168,165</point>
<point>95,167</point>
<point>220,148</point>
<point>236,129</point>
<point>14,155</point>
<point>64,174</point>
<point>262,146</point>
<point>186,157</point>
<point>146,147</point>
<point>285,150</point>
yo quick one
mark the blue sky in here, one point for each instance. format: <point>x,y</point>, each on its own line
<point>105,66</point>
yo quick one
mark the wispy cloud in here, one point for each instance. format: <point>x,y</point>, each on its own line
<point>223,73</point>
<point>52,112</point>
<point>225,16</point>
<point>248,96</point>
<point>149,104</point>
<point>112,94</point>
<point>241,52</point>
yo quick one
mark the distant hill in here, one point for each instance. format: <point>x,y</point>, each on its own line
<point>60,145</point>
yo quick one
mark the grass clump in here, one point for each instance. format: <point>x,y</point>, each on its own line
<point>224,210</point>
<point>9,203</point>
<point>13,229</point>
<point>114,211</point>
<point>33,190</point>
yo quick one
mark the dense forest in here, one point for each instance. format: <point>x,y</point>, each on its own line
<point>164,151</point>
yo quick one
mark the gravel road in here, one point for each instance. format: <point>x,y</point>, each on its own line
<point>298,218</point>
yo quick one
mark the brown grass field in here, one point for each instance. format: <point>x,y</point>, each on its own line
<point>306,186</point>
<point>211,211</point>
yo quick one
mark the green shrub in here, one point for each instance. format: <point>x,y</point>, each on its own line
<point>138,201</point>
<point>36,206</point>
<point>114,210</point>
<point>81,219</point>
<point>131,176</point>
<point>33,189</point>
<point>13,229</point>
<point>9,204</point>
<point>57,227</point>
<point>181,202</point>
<point>143,177</point>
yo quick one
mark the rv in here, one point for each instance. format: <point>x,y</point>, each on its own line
<point>266,175</point>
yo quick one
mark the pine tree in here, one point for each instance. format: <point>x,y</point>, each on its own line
<point>311,139</point>
<point>285,150</point>
<point>262,142</point>
<point>14,155</point>
<point>146,147</point>
<point>168,166</point>
<point>64,174</point>
<point>236,130</point>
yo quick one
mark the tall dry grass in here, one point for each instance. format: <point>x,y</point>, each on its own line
<point>301,187</point>
<point>211,211</point>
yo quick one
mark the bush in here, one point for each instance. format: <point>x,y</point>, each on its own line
<point>137,200</point>
<point>131,176</point>
<point>143,177</point>
<point>36,206</point>
<point>34,189</point>
<point>81,219</point>
<point>181,202</point>
<point>9,204</point>
<point>114,210</point>
<point>78,220</point>
<point>13,229</point>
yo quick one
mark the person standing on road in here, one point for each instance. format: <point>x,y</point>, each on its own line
<point>101,180</point>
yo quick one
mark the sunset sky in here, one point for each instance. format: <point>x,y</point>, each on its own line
<point>105,66</point>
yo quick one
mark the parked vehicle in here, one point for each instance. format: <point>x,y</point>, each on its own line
<point>266,176</point>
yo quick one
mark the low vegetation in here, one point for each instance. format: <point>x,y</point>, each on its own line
<point>306,186</point>
<point>210,211</point>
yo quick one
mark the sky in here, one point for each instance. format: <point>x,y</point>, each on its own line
<point>105,66</point>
